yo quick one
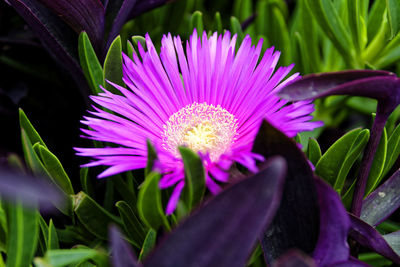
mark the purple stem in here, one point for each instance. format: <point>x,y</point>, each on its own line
<point>376,133</point>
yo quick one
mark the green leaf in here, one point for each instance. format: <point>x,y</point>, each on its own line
<point>375,17</point>
<point>55,170</point>
<point>44,232</point>
<point>313,151</point>
<point>194,178</point>
<point>352,155</point>
<point>52,240</point>
<point>332,160</point>
<point>393,151</point>
<point>30,131</point>
<point>94,217</point>
<point>149,203</point>
<point>31,158</point>
<point>136,39</point>
<point>151,157</point>
<point>87,186</point>
<point>63,257</point>
<point>329,20</point>
<point>90,64</point>
<point>22,235</point>
<point>354,18</point>
<point>148,244</point>
<point>113,65</point>
<point>196,22</point>
<point>132,225</point>
<point>393,7</point>
<point>218,22</point>
<point>236,28</point>
<point>378,164</point>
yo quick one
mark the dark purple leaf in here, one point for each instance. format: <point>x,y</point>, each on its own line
<point>334,227</point>
<point>81,15</point>
<point>146,5</point>
<point>57,37</point>
<point>117,13</point>
<point>294,258</point>
<point>381,203</point>
<point>296,224</point>
<point>368,237</point>
<point>121,254</point>
<point>332,83</point>
<point>224,231</point>
<point>393,240</point>
<point>381,85</point>
<point>352,262</point>
<point>29,190</point>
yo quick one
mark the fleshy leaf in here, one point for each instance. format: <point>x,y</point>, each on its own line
<point>393,240</point>
<point>22,234</point>
<point>30,131</point>
<point>393,7</point>
<point>194,177</point>
<point>90,64</point>
<point>232,220</point>
<point>393,150</point>
<point>334,227</point>
<point>93,216</point>
<point>299,201</point>
<point>381,203</point>
<point>121,254</point>
<point>81,15</point>
<point>368,237</point>
<point>148,244</point>
<point>149,203</point>
<point>113,65</point>
<point>132,225</point>
<point>313,151</point>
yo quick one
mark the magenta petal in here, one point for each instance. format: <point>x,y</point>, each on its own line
<point>173,200</point>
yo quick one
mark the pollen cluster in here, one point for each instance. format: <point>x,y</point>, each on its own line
<point>202,128</point>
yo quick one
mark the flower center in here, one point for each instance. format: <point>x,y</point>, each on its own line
<point>202,128</point>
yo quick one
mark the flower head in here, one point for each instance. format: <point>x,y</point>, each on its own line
<point>207,98</point>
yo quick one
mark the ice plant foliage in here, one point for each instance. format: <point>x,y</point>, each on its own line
<point>205,97</point>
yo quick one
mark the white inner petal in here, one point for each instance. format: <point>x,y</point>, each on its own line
<point>202,128</point>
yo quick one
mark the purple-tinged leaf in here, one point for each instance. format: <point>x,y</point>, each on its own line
<point>294,258</point>
<point>332,83</point>
<point>56,37</point>
<point>381,203</point>
<point>224,231</point>
<point>334,227</point>
<point>81,15</point>
<point>352,262</point>
<point>368,237</point>
<point>117,13</point>
<point>393,240</point>
<point>146,5</point>
<point>29,190</point>
<point>381,85</point>
<point>296,224</point>
<point>121,254</point>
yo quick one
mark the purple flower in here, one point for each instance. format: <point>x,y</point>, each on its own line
<point>207,98</point>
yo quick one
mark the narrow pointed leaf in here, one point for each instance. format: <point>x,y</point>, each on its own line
<point>378,164</point>
<point>196,22</point>
<point>299,201</point>
<point>368,237</point>
<point>121,254</point>
<point>30,131</point>
<point>393,150</point>
<point>132,226</point>
<point>313,151</point>
<point>195,182</point>
<point>232,220</point>
<point>81,15</point>
<point>393,7</point>
<point>149,203</point>
<point>90,63</point>
<point>63,257</point>
<point>148,244</point>
<point>113,65</point>
<point>381,203</point>
<point>22,234</point>
<point>334,226</point>
<point>94,217</point>
<point>52,240</point>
